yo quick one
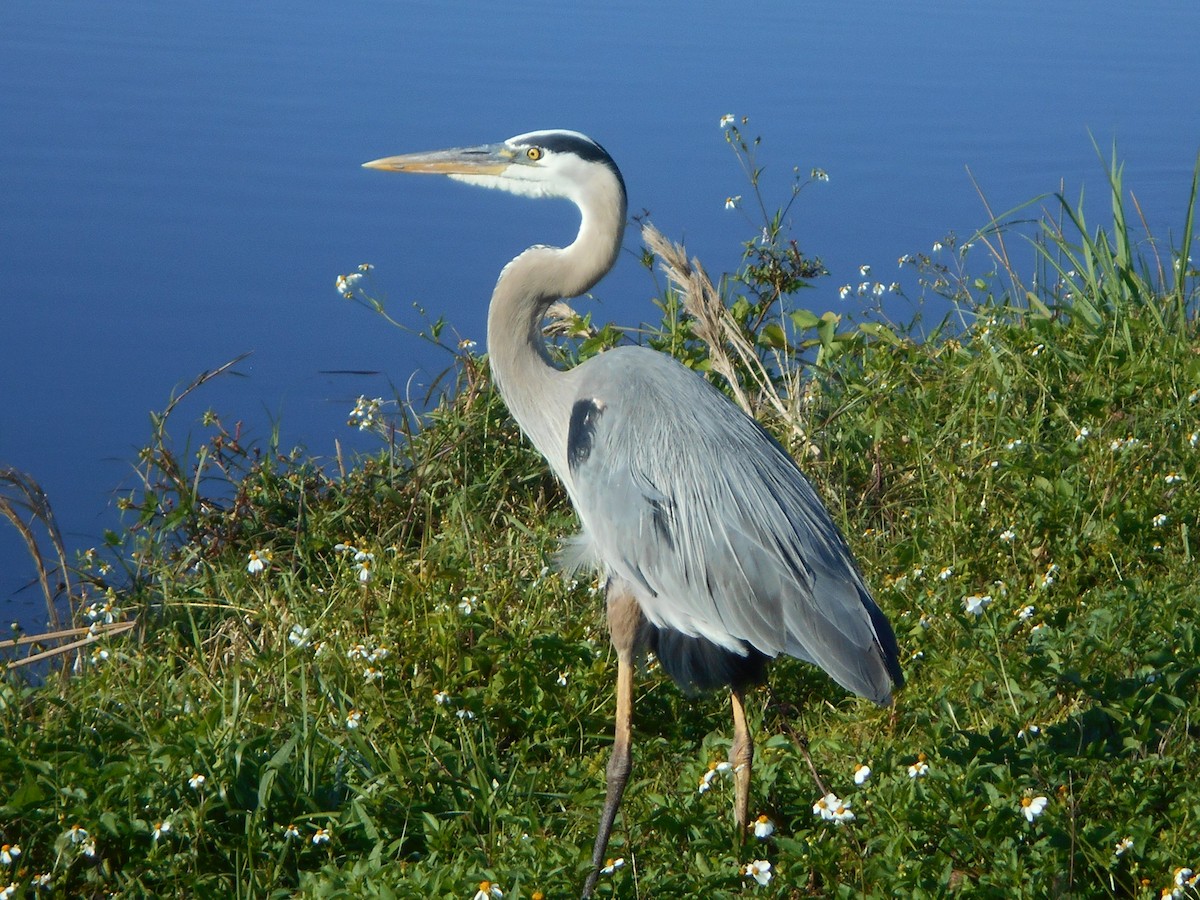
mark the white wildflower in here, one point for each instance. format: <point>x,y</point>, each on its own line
<point>1032,807</point>
<point>976,604</point>
<point>259,560</point>
<point>346,284</point>
<point>759,870</point>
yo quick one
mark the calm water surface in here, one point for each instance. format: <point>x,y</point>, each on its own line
<point>180,183</point>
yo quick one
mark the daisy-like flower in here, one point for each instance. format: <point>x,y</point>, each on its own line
<point>1082,434</point>
<point>561,681</point>
<point>976,604</point>
<point>363,416</point>
<point>1032,807</point>
<point>726,120</point>
<point>353,719</point>
<point>363,562</point>
<point>612,865</point>
<point>464,714</point>
<point>161,828</point>
<point>9,853</point>
<point>9,891</point>
<point>99,655</point>
<point>819,174</point>
<point>833,809</point>
<point>486,891</point>
<point>1194,439</point>
<point>77,834</point>
<point>196,781</point>
<point>844,291</point>
<point>1124,845</point>
<point>861,773</point>
<point>298,636</point>
<point>1185,877</point>
<point>259,560</point>
<point>1159,521</point>
<point>937,246</point>
<point>1008,535</point>
<point>1025,613</point>
<point>920,768</point>
<point>346,284</point>
<point>945,574</point>
<point>1030,731</point>
<point>88,848</point>
<point>379,653</point>
<point>864,271</point>
<point>370,673</point>
<point>759,870</point>
<point>466,606</point>
<point>763,828</point>
<point>1172,478</point>
<point>732,202</point>
<point>321,836</point>
<point>106,612</point>
<point>441,698</point>
<point>1048,577</point>
<point>714,769</point>
<point>291,833</point>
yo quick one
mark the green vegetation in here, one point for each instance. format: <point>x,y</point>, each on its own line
<point>372,682</point>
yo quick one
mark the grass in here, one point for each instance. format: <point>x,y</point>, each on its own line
<point>407,700</point>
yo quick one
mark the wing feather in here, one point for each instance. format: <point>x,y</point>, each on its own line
<point>692,503</point>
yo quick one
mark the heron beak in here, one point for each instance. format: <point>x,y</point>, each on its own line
<point>490,159</point>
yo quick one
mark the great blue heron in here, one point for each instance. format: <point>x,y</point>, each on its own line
<point>717,551</point>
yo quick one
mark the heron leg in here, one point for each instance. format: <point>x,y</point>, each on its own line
<point>624,623</point>
<point>741,757</point>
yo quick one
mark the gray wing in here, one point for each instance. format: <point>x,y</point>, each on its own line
<point>694,505</point>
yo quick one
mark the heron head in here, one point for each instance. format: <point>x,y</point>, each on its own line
<point>554,163</point>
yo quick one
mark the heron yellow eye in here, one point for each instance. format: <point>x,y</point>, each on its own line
<point>535,153</point>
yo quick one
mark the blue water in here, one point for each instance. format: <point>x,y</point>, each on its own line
<point>180,183</point>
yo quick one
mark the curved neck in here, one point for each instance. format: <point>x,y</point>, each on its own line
<point>528,380</point>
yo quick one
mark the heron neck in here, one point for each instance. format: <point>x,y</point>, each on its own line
<point>536,391</point>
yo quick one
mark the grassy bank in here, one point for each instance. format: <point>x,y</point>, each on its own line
<point>372,681</point>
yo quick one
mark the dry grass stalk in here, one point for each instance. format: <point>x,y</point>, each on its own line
<point>563,321</point>
<point>90,633</point>
<point>715,326</point>
<point>24,504</point>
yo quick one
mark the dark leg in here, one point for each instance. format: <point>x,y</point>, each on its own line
<point>624,624</point>
<point>741,757</point>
